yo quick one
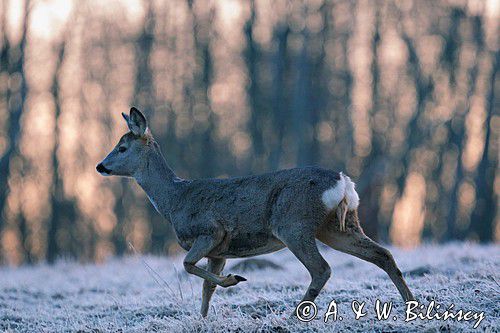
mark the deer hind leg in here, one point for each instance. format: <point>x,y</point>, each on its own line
<point>215,265</point>
<point>305,249</point>
<point>353,241</point>
<point>201,248</point>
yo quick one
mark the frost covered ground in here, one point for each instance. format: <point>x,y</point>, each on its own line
<point>137,294</point>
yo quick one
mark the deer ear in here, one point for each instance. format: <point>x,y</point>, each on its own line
<point>136,122</point>
<point>125,116</point>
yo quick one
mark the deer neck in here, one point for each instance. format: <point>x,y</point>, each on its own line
<point>158,181</point>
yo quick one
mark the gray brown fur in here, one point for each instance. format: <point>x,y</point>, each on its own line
<point>246,216</point>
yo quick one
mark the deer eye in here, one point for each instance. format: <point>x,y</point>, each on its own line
<point>122,149</point>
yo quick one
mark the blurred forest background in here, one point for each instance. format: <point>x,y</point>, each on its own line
<point>401,95</point>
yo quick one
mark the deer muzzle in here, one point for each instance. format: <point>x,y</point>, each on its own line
<point>102,169</point>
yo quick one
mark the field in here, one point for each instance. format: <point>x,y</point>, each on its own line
<point>144,293</point>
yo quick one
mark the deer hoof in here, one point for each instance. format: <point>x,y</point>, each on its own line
<point>232,280</point>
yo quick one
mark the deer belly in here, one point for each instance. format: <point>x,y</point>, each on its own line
<point>251,244</point>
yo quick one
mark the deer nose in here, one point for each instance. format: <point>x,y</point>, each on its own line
<point>101,168</point>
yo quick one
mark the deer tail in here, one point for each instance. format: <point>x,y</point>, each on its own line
<point>342,198</point>
<point>341,213</point>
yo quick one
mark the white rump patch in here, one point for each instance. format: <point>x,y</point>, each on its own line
<point>333,196</point>
<point>343,189</point>
<point>351,195</point>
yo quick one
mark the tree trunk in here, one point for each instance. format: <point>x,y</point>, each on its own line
<point>484,213</point>
<point>15,105</point>
<point>279,98</point>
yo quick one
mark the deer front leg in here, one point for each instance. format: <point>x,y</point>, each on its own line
<point>200,249</point>
<point>215,265</point>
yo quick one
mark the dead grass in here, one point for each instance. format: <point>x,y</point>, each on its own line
<point>138,294</point>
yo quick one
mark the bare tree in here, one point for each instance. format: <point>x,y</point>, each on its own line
<point>456,125</point>
<point>63,209</point>
<point>372,178</point>
<point>279,97</point>
<point>256,126</point>
<point>12,61</point>
<point>484,213</point>
<point>202,34</point>
<point>300,102</point>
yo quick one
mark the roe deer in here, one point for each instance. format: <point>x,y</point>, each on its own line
<point>249,216</point>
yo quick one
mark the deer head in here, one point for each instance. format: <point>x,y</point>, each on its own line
<point>129,155</point>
